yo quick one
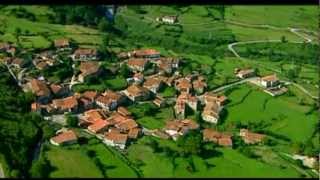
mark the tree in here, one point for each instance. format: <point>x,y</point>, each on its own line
<point>72,120</point>
<point>104,25</point>
<point>190,143</point>
<point>284,39</point>
<point>41,168</point>
<point>47,132</point>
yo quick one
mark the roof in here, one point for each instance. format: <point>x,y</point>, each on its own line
<point>146,52</point>
<point>212,97</point>
<point>136,90</point>
<point>223,139</point>
<point>199,84</point>
<point>250,137</point>
<point>93,115</point>
<point>98,125</point>
<point>127,124</point>
<point>65,137</point>
<point>39,88</point>
<point>137,62</point>
<point>66,103</point>
<point>91,95</point>
<point>122,110</point>
<point>18,61</point>
<point>116,137</point>
<point>83,51</point>
<point>55,88</point>
<point>211,109</point>
<point>138,75</point>
<point>183,83</point>
<point>179,125</point>
<point>272,77</point>
<point>61,42</point>
<point>109,97</point>
<point>246,71</point>
<point>89,67</point>
<point>152,82</point>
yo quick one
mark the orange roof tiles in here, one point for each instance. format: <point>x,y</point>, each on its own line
<point>65,137</point>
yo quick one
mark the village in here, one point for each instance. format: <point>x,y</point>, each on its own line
<point>104,114</point>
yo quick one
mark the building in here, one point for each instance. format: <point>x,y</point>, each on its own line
<point>211,112</point>
<point>199,85</point>
<point>125,125</point>
<point>269,81</point>
<point>137,64</point>
<point>123,111</point>
<point>58,90</point>
<point>116,139</point>
<point>178,128</point>
<point>82,54</point>
<point>250,137</point>
<point>110,100</point>
<point>146,53</point>
<point>40,89</point>
<point>245,73</point>
<point>183,85</point>
<point>159,101</point>
<point>62,44</point>
<point>19,62</point>
<point>64,138</point>
<point>91,116</point>
<point>212,97</point>
<point>168,19</point>
<point>182,101</point>
<point>167,65</point>
<point>99,126</point>
<point>68,104</point>
<point>222,139</point>
<point>134,133</point>
<point>89,69</point>
<point>153,84</point>
<point>137,93</point>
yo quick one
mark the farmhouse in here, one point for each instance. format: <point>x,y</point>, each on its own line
<point>116,139</point>
<point>137,64</point>
<point>137,93</point>
<point>98,126</point>
<point>222,139</point>
<point>68,104</point>
<point>82,54</point>
<point>62,44</point>
<point>146,53</point>
<point>178,128</point>
<point>40,89</point>
<point>89,69</point>
<point>211,112</point>
<point>250,137</point>
<point>269,81</point>
<point>153,84</point>
<point>64,138</point>
<point>109,100</point>
<point>183,85</point>
<point>245,73</point>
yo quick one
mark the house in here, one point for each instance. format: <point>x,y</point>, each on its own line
<point>83,54</point>
<point>8,48</point>
<point>183,85</point>
<point>199,85</point>
<point>137,78</point>
<point>250,137</point>
<point>134,133</point>
<point>185,99</point>
<point>178,128</point>
<point>123,55</point>
<point>159,101</point>
<point>64,138</point>
<point>40,89</point>
<point>211,112</point>
<point>98,126</point>
<point>167,64</point>
<point>126,125</point>
<point>168,19</point>
<point>146,53</point>
<point>89,69</point>
<point>90,95</point>
<point>41,65</point>
<point>110,100</point>
<point>58,90</point>
<point>153,84</point>
<point>62,44</point>
<point>137,93</point>
<point>91,116</point>
<point>123,111</point>
<point>46,55</point>
<point>269,81</point>
<point>68,104</point>
<point>222,139</point>
<point>137,64</point>
<point>212,97</point>
<point>245,73</point>
<point>115,139</point>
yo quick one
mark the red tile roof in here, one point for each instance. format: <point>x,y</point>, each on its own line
<point>64,137</point>
<point>272,77</point>
<point>61,43</point>
<point>116,137</point>
<point>65,103</point>
<point>98,125</point>
<point>39,88</point>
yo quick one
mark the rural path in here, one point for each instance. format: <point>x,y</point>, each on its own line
<point>1,172</point>
<point>234,84</point>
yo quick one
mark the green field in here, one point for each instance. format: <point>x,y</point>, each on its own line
<point>4,165</point>
<point>285,115</point>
